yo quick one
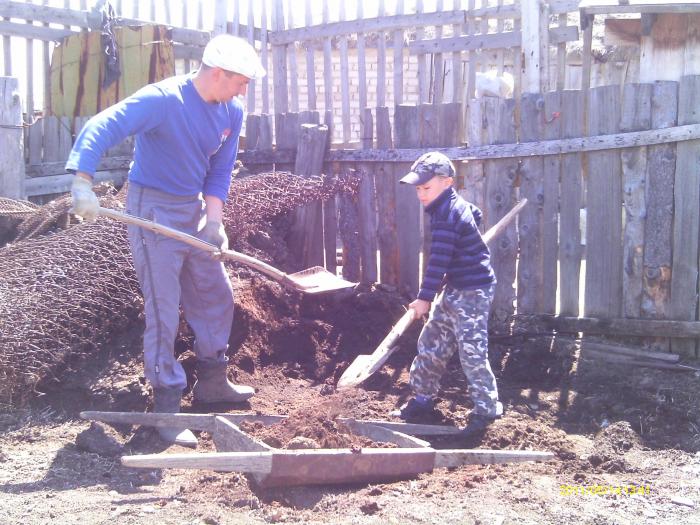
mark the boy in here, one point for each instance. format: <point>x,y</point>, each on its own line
<point>458,319</point>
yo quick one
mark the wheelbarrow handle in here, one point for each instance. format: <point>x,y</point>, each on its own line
<point>197,243</point>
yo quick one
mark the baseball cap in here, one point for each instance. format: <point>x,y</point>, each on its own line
<point>427,166</point>
<point>233,54</point>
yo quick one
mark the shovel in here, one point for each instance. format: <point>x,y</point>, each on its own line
<point>311,281</point>
<point>365,365</point>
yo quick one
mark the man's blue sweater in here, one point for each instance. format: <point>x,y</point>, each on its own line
<point>458,254</point>
<point>184,145</point>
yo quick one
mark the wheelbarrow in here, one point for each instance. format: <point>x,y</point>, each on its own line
<point>313,280</point>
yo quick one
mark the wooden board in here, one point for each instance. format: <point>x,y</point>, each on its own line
<point>686,190</point>
<point>500,197</point>
<point>387,237</point>
<point>408,210</point>
<point>11,140</point>
<point>530,265</point>
<point>636,115</point>
<point>550,205</point>
<point>603,291</point>
<point>367,206</point>
<point>658,234</point>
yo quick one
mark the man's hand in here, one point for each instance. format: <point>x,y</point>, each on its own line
<point>84,200</point>
<point>420,308</point>
<point>214,233</point>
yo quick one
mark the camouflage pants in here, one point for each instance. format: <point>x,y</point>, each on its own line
<point>458,321</point>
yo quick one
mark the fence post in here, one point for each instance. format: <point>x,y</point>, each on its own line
<point>220,17</point>
<point>11,140</point>
<point>531,45</point>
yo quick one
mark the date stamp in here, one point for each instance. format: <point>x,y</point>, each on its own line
<point>604,490</point>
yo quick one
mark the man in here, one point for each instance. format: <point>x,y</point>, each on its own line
<point>186,129</point>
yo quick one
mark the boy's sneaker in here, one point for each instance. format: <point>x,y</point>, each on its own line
<point>477,424</point>
<point>415,409</point>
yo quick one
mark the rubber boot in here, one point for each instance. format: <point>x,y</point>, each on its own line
<point>167,400</point>
<point>213,386</point>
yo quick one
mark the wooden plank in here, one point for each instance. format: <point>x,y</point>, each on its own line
<point>264,59</point>
<point>530,18</point>
<point>344,80</point>
<point>251,41</point>
<point>324,467</point>
<point>500,198</point>
<point>327,69</point>
<point>457,457</point>
<point>603,294</point>
<point>586,55</point>
<point>530,223</point>
<point>279,63</point>
<point>626,351</point>
<point>12,183</point>
<point>36,134</point>
<point>474,176</point>
<point>386,206</point>
<point>636,115</point>
<point>665,45</point>
<point>310,69</point>
<point>619,326</point>
<point>292,60</point>
<point>312,145</point>
<point>550,204</point>
<point>438,64</point>
<point>380,433</point>
<point>603,8</point>
<point>457,66</point>
<point>684,273</point>
<point>549,147</point>
<point>469,27</point>
<point>423,83</point>
<point>561,56</point>
<point>251,462</point>
<point>229,438</point>
<point>466,43</point>
<point>361,65</point>
<point>397,52</point>
<point>6,50</point>
<point>62,183</point>
<point>373,25</point>
<point>349,230</point>
<point>381,61</point>
<point>407,134</point>
<point>367,204</point>
<point>658,236</point>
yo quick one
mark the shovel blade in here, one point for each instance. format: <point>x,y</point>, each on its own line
<point>357,372</point>
<point>318,280</point>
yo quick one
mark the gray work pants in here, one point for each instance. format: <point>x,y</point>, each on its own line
<point>172,273</point>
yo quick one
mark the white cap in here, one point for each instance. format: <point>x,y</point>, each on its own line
<point>233,54</point>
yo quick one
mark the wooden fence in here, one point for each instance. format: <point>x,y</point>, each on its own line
<point>333,61</point>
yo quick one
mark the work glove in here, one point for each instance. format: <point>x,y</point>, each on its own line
<point>214,233</point>
<point>84,200</point>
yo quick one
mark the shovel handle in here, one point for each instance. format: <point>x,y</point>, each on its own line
<point>197,243</point>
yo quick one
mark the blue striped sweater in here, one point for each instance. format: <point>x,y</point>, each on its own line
<point>458,254</point>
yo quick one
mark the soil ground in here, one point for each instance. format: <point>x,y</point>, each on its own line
<point>612,429</point>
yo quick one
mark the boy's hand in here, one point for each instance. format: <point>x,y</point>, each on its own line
<point>420,308</point>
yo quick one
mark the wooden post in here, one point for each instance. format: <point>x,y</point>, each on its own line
<point>265,83</point>
<point>686,190</point>
<point>636,116</point>
<point>292,60</point>
<point>361,63</point>
<point>603,214</point>
<point>381,61</point>
<point>330,211</point>
<point>398,58</point>
<point>11,140</point>
<point>658,235</point>
<point>423,84</point>
<point>438,65</point>
<point>344,80</point>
